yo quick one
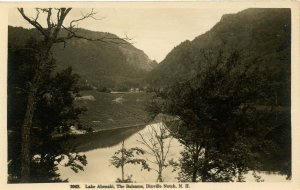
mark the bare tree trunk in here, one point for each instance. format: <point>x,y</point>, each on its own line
<point>195,162</point>
<point>204,171</point>
<point>122,165</point>
<point>195,170</point>
<point>159,177</point>
<point>30,109</point>
<point>27,123</point>
<point>51,36</point>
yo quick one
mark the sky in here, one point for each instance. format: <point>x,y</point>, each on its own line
<point>155,29</point>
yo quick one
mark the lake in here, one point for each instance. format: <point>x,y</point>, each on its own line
<point>99,148</point>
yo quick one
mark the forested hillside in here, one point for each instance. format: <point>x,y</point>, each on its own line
<point>230,87</point>
<point>262,35</point>
<point>112,64</point>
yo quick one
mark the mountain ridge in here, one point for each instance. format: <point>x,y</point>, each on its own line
<point>257,32</point>
<point>114,64</point>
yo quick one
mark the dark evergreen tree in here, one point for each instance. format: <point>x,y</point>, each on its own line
<point>55,112</point>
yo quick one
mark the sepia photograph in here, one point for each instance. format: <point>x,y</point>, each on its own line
<point>148,94</point>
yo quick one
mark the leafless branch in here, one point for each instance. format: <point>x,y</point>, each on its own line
<point>72,33</point>
<point>58,14</point>
<point>168,148</point>
<point>144,141</point>
<point>84,16</point>
<point>37,15</point>
<point>53,28</point>
<point>61,17</point>
<point>49,13</point>
<point>33,22</point>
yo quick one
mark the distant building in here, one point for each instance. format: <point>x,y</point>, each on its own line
<point>134,90</point>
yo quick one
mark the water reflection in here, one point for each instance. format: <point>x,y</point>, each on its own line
<point>99,147</point>
<point>102,139</point>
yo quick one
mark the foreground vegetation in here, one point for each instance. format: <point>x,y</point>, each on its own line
<point>229,115</point>
<point>233,113</point>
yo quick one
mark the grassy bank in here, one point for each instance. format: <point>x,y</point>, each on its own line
<point>107,110</point>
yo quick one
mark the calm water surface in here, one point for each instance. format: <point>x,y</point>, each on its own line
<point>99,168</point>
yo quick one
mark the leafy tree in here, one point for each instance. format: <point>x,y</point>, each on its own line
<point>127,156</point>
<point>54,110</point>
<point>221,112</point>
<point>51,34</point>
